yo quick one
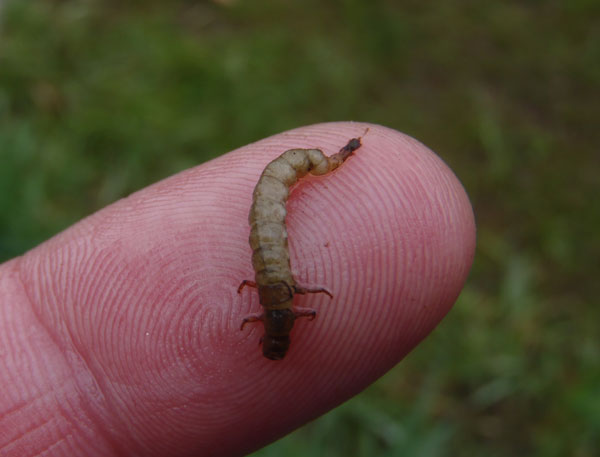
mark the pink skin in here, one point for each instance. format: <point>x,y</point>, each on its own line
<point>121,335</point>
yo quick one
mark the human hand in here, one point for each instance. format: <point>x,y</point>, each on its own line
<point>120,336</point>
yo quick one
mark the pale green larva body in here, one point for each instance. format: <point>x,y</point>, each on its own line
<point>269,242</point>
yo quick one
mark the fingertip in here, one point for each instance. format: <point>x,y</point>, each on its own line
<point>392,234</point>
<point>147,288</point>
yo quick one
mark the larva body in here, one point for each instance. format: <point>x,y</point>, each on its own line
<point>268,240</point>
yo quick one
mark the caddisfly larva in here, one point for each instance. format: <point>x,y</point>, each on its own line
<point>268,240</point>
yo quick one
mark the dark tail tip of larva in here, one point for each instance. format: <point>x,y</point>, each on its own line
<point>350,147</point>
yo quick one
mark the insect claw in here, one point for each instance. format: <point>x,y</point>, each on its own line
<point>252,318</point>
<point>305,312</point>
<point>246,282</point>
<point>306,290</point>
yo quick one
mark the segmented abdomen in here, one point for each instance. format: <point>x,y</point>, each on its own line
<point>268,236</point>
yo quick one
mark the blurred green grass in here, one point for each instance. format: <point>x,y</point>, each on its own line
<point>98,99</point>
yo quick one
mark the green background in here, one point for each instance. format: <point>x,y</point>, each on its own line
<point>101,98</point>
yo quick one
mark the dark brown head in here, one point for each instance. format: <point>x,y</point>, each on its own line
<point>275,347</point>
<point>278,324</point>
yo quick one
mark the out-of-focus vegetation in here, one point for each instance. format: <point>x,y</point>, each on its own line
<point>100,98</point>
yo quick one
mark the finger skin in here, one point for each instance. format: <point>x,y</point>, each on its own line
<point>120,336</point>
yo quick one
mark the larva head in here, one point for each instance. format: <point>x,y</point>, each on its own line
<point>275,347</point>
<point>278,324</point>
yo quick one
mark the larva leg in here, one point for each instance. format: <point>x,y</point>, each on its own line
<point>305,312</point>
<point>306,290</point>
<point>246,282</point>
<point>252,318</point>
